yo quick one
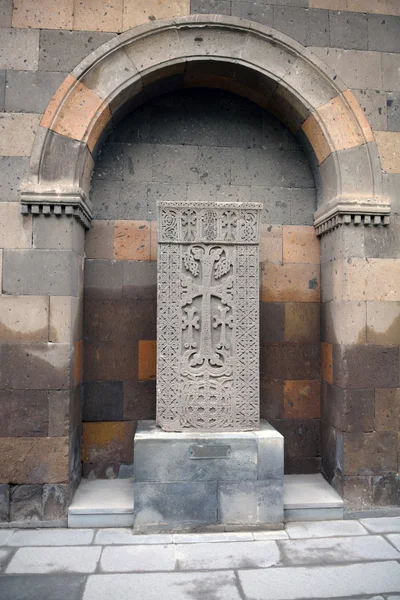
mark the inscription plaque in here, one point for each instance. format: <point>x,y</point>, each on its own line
<point>209,451</point>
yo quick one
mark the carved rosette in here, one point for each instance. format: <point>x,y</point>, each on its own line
<point>208,321</point>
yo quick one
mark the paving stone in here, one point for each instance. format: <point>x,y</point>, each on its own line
<point>138,558</point>
<point>393,111</point>
<point>263,536</point>
<point>384,33</point>
<point>348,30</point>
<point>210,7</point>
<point>5,536</point>
<point>72,559</point>
<point>5,554</point>
<point>31,91</point>
<point>152,586</point>
<point>18,132</point>
<point>198,538</point>
<point>324,529</point>
<point>382,524</point>
<point>12,172</point>
<point>34,587</point>
<point>126,536</point>
<point>63,50</point>
<point>19,49</point>
<point>394,539</point>
<point>198,557</point>
<point>52,537</point>
<point>321,582</point>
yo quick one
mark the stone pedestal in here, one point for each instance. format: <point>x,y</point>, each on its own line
<point>192,480</point>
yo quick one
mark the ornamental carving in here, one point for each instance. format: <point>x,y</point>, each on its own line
<point>208,321</point>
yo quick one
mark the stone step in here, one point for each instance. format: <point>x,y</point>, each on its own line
<point>109,502</point>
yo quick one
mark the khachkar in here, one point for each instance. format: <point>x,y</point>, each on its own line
<point>208,461</point>
<point>208,316</point>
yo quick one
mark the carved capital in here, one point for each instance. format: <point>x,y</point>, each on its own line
<point>62,203</point>
<point>329,218</point>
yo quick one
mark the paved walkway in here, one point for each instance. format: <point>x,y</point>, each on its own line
<point>327,559</point>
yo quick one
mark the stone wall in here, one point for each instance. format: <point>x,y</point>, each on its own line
<point>198,145</point>
<point>41,284</point>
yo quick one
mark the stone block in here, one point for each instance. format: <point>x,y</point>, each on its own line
<point>302,322</point>
<point>383,33</point>
<point>214,165</point>
<point>24,413</point>
<point>139,279</point>
<point>12,173</point>
<point>383,323</point>
<point>15,230</point>
<point>264,167</point>
<point>302,437</point>
<point>174,506</point>
<point>373,279</point>
<point>114,200</point>
<point>39,272</point>
<point>373,104</point>
<point>4,502</point>
<point>103,278</point>
<point>18,132</point>
<point>6,9</point>
<point>63,50</point>
<point>390,72</point>
<point>19,49</point>
<point>98,16</point>
<point>137,162</point>
<point>147,355</point>
<point>145,558</point>
<point>65,323</point>
<point>290,283</point>
<point>358,69</point>
<point>2,89</point>
<point>26,503</point>
<point>390,185</point>
<point>107,442</point>
<point>142,12</point>
<point>99,240</point>
<point>387,409</point>
<point>59,413</point>
<point>31,91</point>
<point>365,366</point>
<point>369,453</point>
<point>348,30</point>
<point>271,399</point>
<point>393,111</point>
<point>272,322</point>
<point>302,399</point>
<point>132,240</point>
<point>250,502</point>
<point>34,460</point>
<point>50,559</point>
<point>175,164</point>
<point>254,11</point>
<point>271,243</point>
<point>29,14</point>
<point>318,28</point>
<point>344,322</point>
<point>103,401</point>
<point>139,400</point>
<point>300,245</point>
<point>293,21</point>
<point>110,361</point>
<point>58,234</point>
<point>353,411</point>
<point>332,281</point>
<point>164,191</point>
<point>303,203</point>
<point>389,150</point>
<point>24,318</point>
<point>327,362</point>
<point>199,191</point>
<point>276,210</point>
<point>110,162</point>
<point>35,366</point>
<point>210,7</point>
<point>290,361</point>
<point>303,466</point>
<point>55,501</point>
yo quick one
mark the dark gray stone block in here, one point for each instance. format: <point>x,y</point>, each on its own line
<point>391,186</point>
<point>214,165</point>
<point>250,502</point>
<point>59,234</point>
<point>164,191</point>
<point>276,204</point>
<point>210,7</point>
<point>303,204</point>
<point>293,21</point>
<point>6,8</point>
<point>2,89</point>
<point>55,501</point>
<point>37,587</point>
<point>174,506</point>
<point>63,50</point>
<point>383,242</point>
<point>133,202</point>
<point>384,33</point>
<point>31,91</point>
<point>109,162</point>
<point>137,163</point>
<point>4,502</point>
<point>318,27</point>
<point>118,200</point>
<point>103,401</point>
<point>393,111</point>
<point>175,164</point>
<point>263,167</point>
<point>348,30</point>
<point>103,278</point>
<point>40,272</point>
<point>254,11</point>
<point>12,173</point>
<point>373,103</point>
<point>26,503</point>
<point>139,279</point>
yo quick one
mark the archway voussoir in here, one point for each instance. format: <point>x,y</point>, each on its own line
<point>212,41</point>
<point>149,51</point>
<point>268,55</point>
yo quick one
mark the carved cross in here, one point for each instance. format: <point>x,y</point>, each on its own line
<point>190,322</point>
<point>223,321</point>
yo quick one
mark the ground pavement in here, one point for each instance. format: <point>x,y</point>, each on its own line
<point>327,559</point>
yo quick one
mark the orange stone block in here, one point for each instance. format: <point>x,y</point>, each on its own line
<point>360,115</point>
<point>290,283</point>
<point>300,245</point>
<point>43,14</point>
<point>314,130</point>
<point>78,362</point>
<point>98,15</point>
<point>107,441</point>
<point>147,359</point>
<point>270,243</point>
<point>326,362</point>
<point>34,460</point>
<point>132,240</point>
<point>301,399</point>
<point>389,150</point>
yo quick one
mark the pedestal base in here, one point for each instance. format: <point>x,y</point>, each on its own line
<point>191,480</point>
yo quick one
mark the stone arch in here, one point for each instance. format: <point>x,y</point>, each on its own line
<point>208,50</point>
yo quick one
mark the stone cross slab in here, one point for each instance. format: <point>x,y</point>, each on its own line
<point>208,316</point>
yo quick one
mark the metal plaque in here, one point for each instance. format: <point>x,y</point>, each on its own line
<point>209,451</point>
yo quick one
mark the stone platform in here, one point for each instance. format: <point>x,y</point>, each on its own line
<point>190,480</point>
